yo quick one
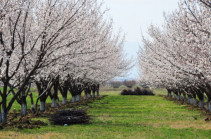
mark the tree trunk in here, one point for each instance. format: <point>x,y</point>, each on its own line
<point>93,94</point>
<point>41,86</point>
<point>23,109</point>
<point>176,94</point>
<point>179,97</point>
<point>4,105</point>
<point>64,100</point>
<point>0,114</point>
<point>42,106</point>
<point>173,95</point>
<point>201,104</point>
<point>207,91</point>
<point>85,97</point>
<point>4,116</point>
<point>168,93</point>
<point>97,89</point>
<point>73,99</point>
<point>89,96</point>
<point>55,94</point>
<point>189,99</point>
<point>184,98</point>
<point>64,89</point>
<point>98,93</point>
<point>54,104</point>
<point>200,95</point>
<point>194,101</point>
<point>32,103</point>
<point>23,106</point>
<point>79,97</point>
<point>209,106</point>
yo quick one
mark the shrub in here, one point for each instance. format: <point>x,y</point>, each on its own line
<point>137,91</point>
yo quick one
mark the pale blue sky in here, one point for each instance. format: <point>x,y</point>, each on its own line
<point>134,17</point>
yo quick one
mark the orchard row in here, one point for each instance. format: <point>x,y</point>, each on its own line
<point>65,45</point>
<point>178,55</point>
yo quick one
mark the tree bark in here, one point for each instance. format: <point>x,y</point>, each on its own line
<point>64,89</point>
<point>42,106</point>
<point>4,116</point>
<point>194,101</point>
<point>207,91</point>
<point>189,99</point>
<point>24,106</point>
<point>184,98</point>
<point>0,114</point>
<point>73,99</point>
<point>43,92</point>
<point>54,104</point>
<point>4,103</point>
<point>85,97</point>
<point>89,96</point>
<point>64,100</point>
<point>93,94</point>
<point>55,94</point>
<point>98,93</point>
<point>169,92</point>
<point>23,109</point>
<point>201,104</point>
<point>98,88</point>
<point>200,95</point>
<point>79,96</point>
<point>32,103</point>
<point>209,106</point>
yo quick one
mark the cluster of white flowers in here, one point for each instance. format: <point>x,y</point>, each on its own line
<point>178,55</point>
<point>55,43</point>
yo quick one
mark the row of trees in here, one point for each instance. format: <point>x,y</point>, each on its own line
<point>178,55</point>
<point>127,83</point>
<point>64,45</point>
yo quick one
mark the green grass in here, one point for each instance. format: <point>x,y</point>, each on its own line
<point>132,117</point>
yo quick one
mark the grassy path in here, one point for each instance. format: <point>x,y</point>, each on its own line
<point>128,117</point>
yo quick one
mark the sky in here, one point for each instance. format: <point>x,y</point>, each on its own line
<point>133,17</point>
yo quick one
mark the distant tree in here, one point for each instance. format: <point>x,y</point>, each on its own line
<point>129,83</point>
<point>116,84</point>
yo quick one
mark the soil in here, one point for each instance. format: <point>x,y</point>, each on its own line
<point>16,121</point>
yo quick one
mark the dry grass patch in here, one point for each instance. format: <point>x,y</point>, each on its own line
<point>190,124</point>
<point>17,135</point>
<point>183,124</point>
